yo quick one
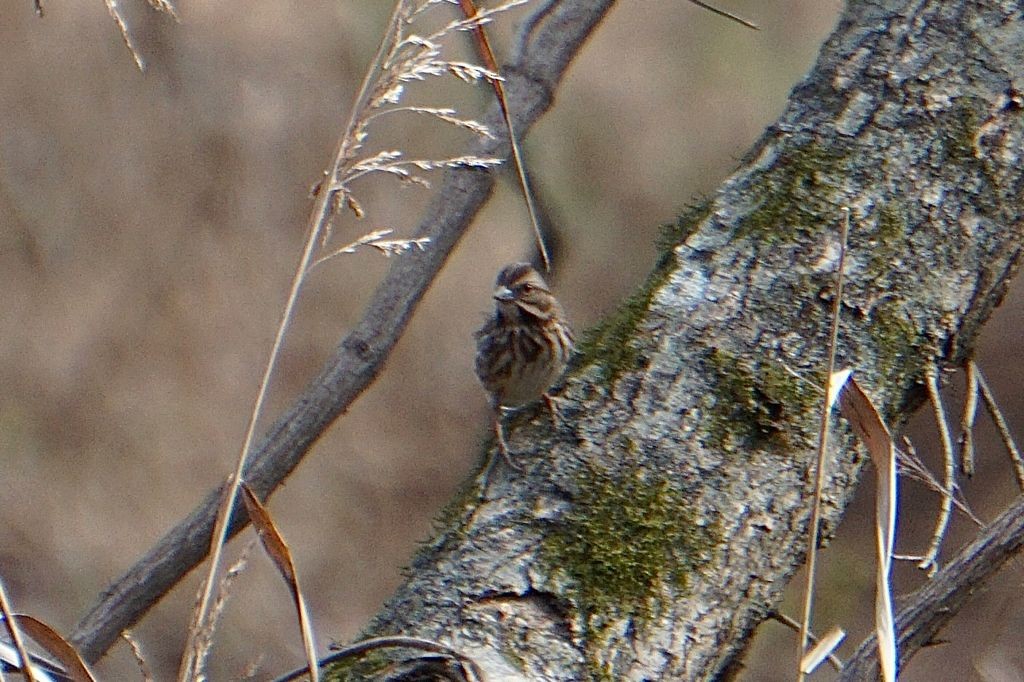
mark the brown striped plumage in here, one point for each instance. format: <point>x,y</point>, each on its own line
<point>524,347</point>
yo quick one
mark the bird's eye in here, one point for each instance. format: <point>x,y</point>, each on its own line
<point>527,287</point>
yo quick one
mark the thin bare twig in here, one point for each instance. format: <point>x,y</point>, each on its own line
<point>819,481</point>
<point>728,15</point>
<point>934,604</point>
<point>164,6</point>
<point>1004,430</point>
<point>140,660</point>
<point>967,418</point>
<point>930,561</point>
<point>122,26</point>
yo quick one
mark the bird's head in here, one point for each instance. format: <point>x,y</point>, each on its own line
<point>520,290</point>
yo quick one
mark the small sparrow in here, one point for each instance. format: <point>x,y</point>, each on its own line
<point>524,347</point>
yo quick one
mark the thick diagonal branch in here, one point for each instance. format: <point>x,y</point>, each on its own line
<point>659,523</point>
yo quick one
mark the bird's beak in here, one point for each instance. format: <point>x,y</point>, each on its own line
<point>503,294</point>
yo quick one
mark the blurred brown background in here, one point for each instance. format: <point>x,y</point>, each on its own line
<point>150,224</point>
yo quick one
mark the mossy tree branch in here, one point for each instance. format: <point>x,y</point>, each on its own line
<point>700,395</point>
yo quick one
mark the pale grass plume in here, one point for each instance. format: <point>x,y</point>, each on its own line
<point>376,240</point>
<point>912,468</point>
<point>204,630</point>
<point>401,57</point>
<point>406,56</point>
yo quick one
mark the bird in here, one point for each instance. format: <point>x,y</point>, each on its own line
<point>523,348</point>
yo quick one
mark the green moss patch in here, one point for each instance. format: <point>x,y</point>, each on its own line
<point>624,539</point>
<point>901,350</point>
<point>757,404</point>
<point>364,667</point>
<point>960,126</point>
<point>610,344</point>
<point>793,195</point>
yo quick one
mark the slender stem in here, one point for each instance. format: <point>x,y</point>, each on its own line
<point>1002,427</point>
<point>929,562</point>
<point>728,15</point>
<point>15,632</point>
<point>231,497</point>
<point>484,47</point>
<point>795,627</point>
<point>318,224</point>
<point>967,418</point>
<point>819,483</point>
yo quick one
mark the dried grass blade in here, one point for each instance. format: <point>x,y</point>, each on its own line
<point>822,650</point>
<point>487,55</point>
<point>823,431</point>
<point>277,550</point>
<point>867,424</point>
<point>58,647</point>
<point>14,630</point>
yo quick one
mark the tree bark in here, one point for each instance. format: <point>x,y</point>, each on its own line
<point>658,522</point>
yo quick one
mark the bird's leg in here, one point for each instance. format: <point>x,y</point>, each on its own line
<point>553,409</point>
<point>499,434</point>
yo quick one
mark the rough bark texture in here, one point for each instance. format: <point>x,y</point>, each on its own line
<point>657,524</point>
